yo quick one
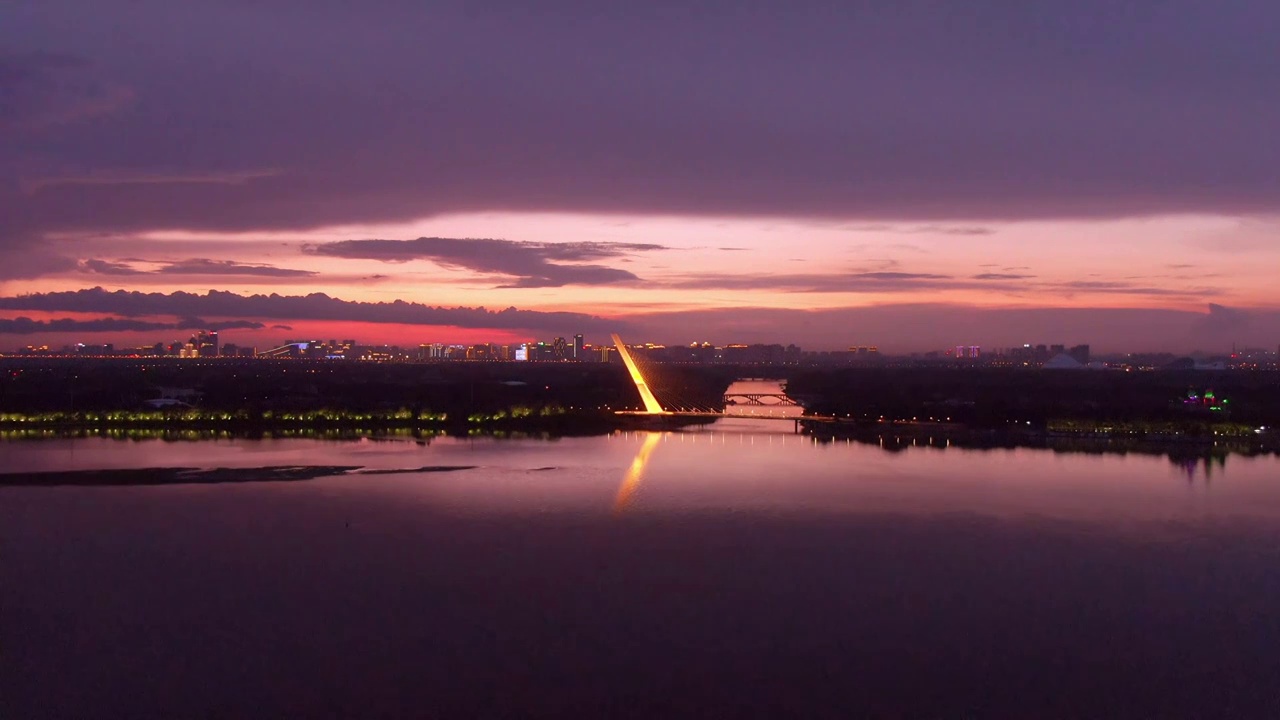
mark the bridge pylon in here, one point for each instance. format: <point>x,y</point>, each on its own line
<point>651,404</point>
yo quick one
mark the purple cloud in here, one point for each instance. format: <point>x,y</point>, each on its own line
<point>39,89</point>
<point>194,266</point>
<point>533,264</point>
<point>818,282</point>
<point>1125,288</point>
<point>926,229</point>
<point>832,110</point>
<point>27,326</point>
<point>316,306</point>
<point>108,267</point>
<point>898,282</point>
<point>201,266</point>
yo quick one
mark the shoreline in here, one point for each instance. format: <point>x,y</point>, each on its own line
<point>897,437</point>
<point>564,424</point>
<point>891,437</point>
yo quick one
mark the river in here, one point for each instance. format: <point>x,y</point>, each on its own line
<point>732,570</point>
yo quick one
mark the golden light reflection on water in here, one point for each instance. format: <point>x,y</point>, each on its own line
<point>635,473</point>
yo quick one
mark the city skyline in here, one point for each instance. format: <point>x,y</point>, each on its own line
<point>131,331</point>
<point>206,344</point>
<point>909,177</point>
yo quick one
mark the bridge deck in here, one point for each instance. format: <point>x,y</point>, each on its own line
<point>691,413</point>
<point>766,399</point>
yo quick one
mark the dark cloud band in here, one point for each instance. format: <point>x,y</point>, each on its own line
<point>194,266</point>
<point>531,264</point>
<point>316,306</point>
<point>27,326</point>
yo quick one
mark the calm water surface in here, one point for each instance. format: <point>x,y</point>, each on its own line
<point>736,570</point>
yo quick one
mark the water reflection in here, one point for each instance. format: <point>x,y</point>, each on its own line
<point>1191,465</point>
<point>635,473</point>
<point>1193,461</point>
<point>768,570</point>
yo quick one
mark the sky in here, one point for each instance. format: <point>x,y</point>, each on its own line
<point>912,175</point>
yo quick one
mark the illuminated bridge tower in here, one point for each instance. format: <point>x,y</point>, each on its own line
<point>651,406</point>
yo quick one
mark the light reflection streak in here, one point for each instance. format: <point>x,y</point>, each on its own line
<point>635,473</point>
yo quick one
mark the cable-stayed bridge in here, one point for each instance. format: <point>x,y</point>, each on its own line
<point>668,401</point>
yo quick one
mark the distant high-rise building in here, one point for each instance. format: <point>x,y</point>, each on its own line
<point>578,348</point>
<point>559,349</point>
<point>1080,353</point>
<point>860,355</point>
<point>205,342</point>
